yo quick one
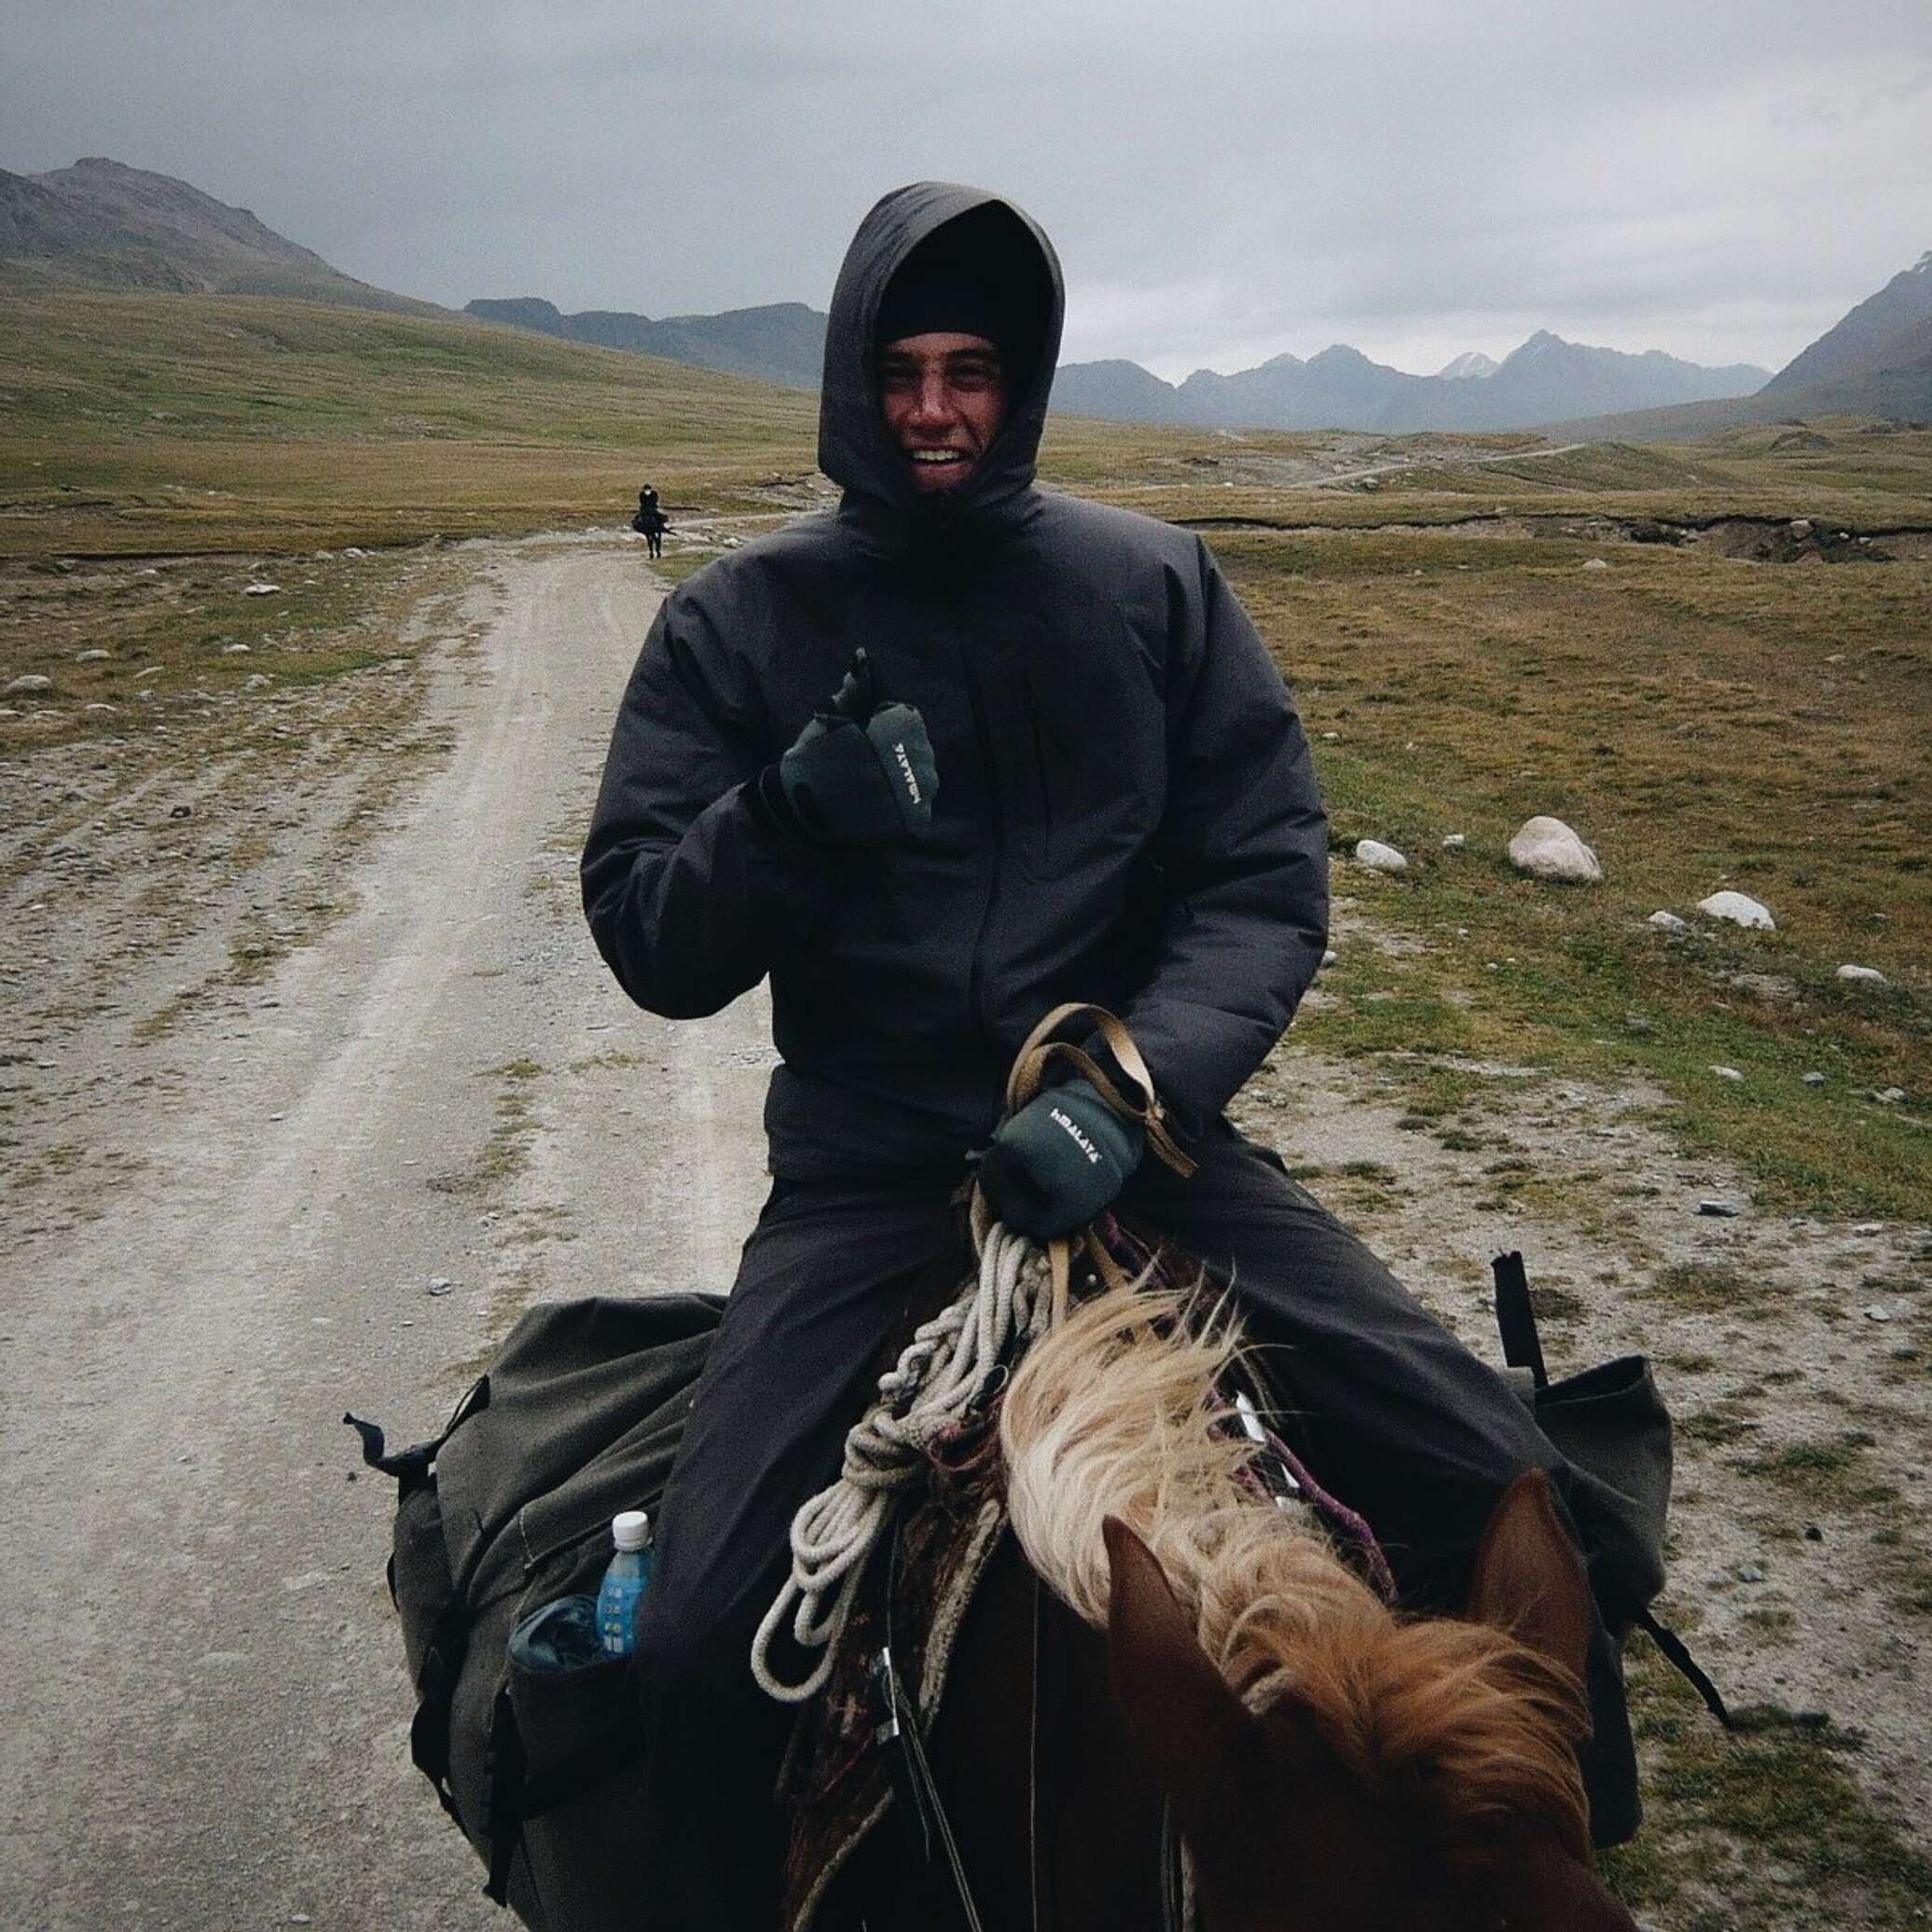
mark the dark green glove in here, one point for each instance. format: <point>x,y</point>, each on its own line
<point>1059,1161</point>
<point>860,773</point>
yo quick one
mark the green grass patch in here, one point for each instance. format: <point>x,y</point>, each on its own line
<point>1761,1826</point>
<point>1703,723</point>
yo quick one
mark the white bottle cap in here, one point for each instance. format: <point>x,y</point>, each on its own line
<point>631,1529</point>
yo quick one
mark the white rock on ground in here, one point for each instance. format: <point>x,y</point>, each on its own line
<point>1868,975</point>
<point>1454,842</point>
<point>1546,847</point>
<point>1378,857</point>
<point>32,682</point>
<point>1740,908</point>
<point>1597,563</point>
<point>1727,1073</point>
<point>1667,922</point>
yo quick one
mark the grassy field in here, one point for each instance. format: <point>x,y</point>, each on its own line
<point>1705,725</point>
<point>145,424</point>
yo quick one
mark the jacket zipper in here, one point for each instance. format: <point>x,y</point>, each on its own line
<point>976,980</point>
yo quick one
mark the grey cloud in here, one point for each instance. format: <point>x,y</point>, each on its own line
<point>1224,181</point>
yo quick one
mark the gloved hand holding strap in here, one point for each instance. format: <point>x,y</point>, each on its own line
<point>1041,1051</point>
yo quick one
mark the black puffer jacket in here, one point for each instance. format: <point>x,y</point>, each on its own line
<point>1125,812</point>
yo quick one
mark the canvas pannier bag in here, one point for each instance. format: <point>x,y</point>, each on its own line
<point>508,1510</point>
<point>1612,1427</point>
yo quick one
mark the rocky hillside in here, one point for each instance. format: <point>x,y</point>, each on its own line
<point>1883,332</point>
<point>781,342</point>
<point>101,224</point>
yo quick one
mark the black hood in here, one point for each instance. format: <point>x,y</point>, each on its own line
<point>854,450</point>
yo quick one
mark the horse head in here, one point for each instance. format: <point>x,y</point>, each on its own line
<point>1414,1776</point>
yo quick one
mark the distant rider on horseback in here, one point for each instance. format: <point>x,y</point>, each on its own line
<point>1064,768</point>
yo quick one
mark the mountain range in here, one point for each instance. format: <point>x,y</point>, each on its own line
<point>1341,388</point>
<point>100,224</point>
<point>782,342</point>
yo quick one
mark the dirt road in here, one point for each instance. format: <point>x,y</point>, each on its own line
<point>327,1187</point>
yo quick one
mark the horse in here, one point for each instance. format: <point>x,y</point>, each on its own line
<point>1174,1703</point>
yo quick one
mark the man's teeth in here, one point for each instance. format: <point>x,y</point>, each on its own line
<point>937,456</point>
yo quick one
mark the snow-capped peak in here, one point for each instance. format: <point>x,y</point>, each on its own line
<point>1471,364</point>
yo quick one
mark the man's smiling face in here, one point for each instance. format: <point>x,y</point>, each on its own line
<point>944,397</point>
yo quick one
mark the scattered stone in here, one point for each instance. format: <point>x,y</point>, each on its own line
<point>1866,975</point>
<point>1546,847</point>
<point>1800,528</point>
<point>1667,922</point>
<point>1814,1080</point>
<point>354,551</point>
<point>262,591</point>
<point>1378,857</point>
<point>1749,1573</point>
<point>1454,842</point>
<point>1597,563</point>
<point>1329,958</point>
<point>98,708</point>
<point>182,811</point>
<point>1813,1534</point>
<point>1723,1208</point>
<point>1330,737</point>
<point>93,656</point>
<point>1740,908</point>
<point>257,680</point>
<point>1727,1073</point>
<point>32,682</point>
<point>1868,1227</point>
<point>236,651</point>
<point>1889,1096</point>
<point>440,1285</point>
<point>1878,1312</point>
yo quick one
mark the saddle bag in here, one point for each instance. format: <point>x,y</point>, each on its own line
<point>509,1509</point>
<point>1613,1429</point>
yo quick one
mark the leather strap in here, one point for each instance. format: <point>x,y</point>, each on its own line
<point>1041,1050</point>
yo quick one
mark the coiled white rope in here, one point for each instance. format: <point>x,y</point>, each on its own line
<point>942,1370</point>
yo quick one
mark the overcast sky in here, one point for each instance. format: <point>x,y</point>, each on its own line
<point>1224,180</point>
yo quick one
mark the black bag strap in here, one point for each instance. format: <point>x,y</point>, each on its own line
<point>411,1467</point>
<point>1677,1653</point>
<point>1516,1319</point>
<point>502,1822</point>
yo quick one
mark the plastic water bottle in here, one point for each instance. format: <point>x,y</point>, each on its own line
<point>624,1583</point>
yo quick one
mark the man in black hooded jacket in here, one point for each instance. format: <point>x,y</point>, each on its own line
<point>1064,768</point>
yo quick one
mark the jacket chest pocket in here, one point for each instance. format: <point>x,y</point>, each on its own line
<point>1095,750</point>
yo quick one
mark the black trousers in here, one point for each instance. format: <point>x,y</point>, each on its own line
<point>1399,1419</point>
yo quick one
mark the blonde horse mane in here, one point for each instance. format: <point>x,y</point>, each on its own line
<point>1118,1411</point>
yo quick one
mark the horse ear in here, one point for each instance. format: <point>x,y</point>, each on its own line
<point>1184,1722</point>
<point>1529,1579</point>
